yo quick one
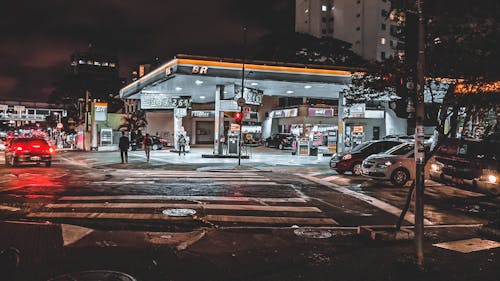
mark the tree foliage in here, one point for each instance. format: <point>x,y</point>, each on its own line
<point>135,121</point>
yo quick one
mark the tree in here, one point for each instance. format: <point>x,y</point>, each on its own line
<point>461,43</point>
<point>135,121</point>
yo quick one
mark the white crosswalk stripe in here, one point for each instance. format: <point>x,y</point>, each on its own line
<point>211,209</point>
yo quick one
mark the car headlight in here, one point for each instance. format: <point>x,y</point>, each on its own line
<point>492,178</point>
<point>384,165</point>
<point>347,156</point>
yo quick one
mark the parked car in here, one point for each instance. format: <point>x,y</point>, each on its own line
<point>474,164</point>
<point>396,164</point>
<point>351,161</point>
<point>33,150</point>
<point>158,143</point>
<point>281,141</point>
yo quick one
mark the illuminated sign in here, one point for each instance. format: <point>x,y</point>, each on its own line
<point>100,111</point>
<point>203,114</point>
<point>4,107</point>
<point>229,106</point>
<point>199,70</point>
<point>357,110</point>
<point>163,101</point>
<point>284,113</point>
<point>251,96</point>
<point>321,112</point>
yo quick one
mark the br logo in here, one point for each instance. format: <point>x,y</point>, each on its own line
<point>199,69</point>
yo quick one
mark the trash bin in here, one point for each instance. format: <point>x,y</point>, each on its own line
<point>313,151</point>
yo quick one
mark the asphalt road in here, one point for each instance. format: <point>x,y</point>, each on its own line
<point>243,221</point>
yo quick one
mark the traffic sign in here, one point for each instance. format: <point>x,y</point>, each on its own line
<point>241,102</point>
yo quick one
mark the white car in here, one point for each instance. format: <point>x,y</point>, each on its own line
<point>396,164</point>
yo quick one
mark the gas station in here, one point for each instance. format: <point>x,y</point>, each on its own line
<point>200,97</point>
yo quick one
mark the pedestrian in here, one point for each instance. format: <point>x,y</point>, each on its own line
<point>182,144</point>
<point>147,143</point>
<point>124,145</point>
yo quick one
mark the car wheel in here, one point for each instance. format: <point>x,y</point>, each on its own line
<point>155,147</point>
<point>400,177</point>
<point>356,169</point>
<point>48,163</point>
<point>281,146</point>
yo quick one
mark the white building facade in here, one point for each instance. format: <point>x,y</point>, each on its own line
<point>363,23</point>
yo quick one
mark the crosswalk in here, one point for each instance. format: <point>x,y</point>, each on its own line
<point>216,197</point>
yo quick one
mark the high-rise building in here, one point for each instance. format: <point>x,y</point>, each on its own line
<point>363,23</point>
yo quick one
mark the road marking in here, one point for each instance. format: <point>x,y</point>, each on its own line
<point>86,215</point>
<point>9,208</point>
<point>271,220</point>
<point>196,179</point>
<point>180,197</point>
<point>185,206</point>
<point>410,217</point>
<point>330,178</point>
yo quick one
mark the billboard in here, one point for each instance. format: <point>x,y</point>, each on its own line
<point>100,111</point>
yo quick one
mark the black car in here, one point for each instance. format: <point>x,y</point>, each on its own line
<point>281,141</point>
<point>33,150</point>
<point>158,143</point>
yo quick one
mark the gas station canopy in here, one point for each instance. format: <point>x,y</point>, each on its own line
<point>198,77</point>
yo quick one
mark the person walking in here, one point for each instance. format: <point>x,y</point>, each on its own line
<point>124,145</point>
<point>147,143</point>
<point>182,144</point>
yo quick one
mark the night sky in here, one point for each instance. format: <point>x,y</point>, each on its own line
<point>38,36</point>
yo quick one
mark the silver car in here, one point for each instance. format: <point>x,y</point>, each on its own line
<point>396,164</point>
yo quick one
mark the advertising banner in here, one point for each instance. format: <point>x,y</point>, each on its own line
<point>252,96</point>
<point>284,113</point>
<point>100,111</point>
<point>321,112</point>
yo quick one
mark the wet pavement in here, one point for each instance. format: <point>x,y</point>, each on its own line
<point>276,217</point>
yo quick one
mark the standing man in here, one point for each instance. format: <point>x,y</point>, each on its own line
<point>182,144</point>
<point>124,145</point>
<point>147,143</point>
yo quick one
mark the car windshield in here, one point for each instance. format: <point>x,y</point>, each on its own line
<point>361,146</point>
<point>401,149</point>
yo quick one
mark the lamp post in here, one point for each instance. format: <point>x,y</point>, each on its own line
<point>242,91</point>
<point>419,140</point>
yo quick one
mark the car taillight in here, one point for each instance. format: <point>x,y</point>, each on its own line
<point>19,148</point>
<point>51,150</point>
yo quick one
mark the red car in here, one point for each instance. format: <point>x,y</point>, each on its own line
<point>351,161</point>
<point>32,150</point>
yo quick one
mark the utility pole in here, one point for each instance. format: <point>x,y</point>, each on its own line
<point>242,91</point>
<point>419,140</point>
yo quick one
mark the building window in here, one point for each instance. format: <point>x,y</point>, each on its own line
<point>323,19</point>
<point>383,13</point>
<point>358,2</point>
<point>111,64</point>
<point>323,8</point>
<point>330,19</point>
<point>382,40</point>
<point>391,43</point>
<point>306,11</point>
<point>358,28</point>
<point>330,30</point>
<point>358,15</point>
<point>382,55</point>
<point>383,26</point>
<point>323,31</point>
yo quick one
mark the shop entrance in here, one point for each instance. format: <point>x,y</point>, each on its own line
<point>204,132</point>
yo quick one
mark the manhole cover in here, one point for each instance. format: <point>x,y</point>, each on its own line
<point>313,233</point>
<point>93,275</point>
<point>179,212</point>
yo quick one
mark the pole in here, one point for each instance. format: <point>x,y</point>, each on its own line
<point>85,118</point>
<point>242,90</point>
<point>419,140</point>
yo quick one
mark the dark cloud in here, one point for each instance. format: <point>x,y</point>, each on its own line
<point>39,36</point>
